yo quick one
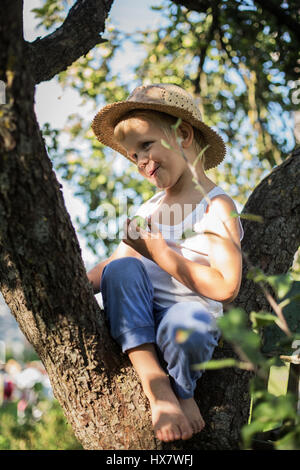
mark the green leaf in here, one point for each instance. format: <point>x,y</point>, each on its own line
<point>235,329</point>
<point>268,413</point>
<point>261,319</point>
<point>281,284</point>
<point>257,275</point>
<point>278,379</point>
<point>216,364</point>
<point>140,221</point>
<point>177,124</point>
<point>253,217</point>
<point>188,233</point>
<point>199,156</point>
<point>165,144</point>
<point>234,319</point>
<point>249,431</point>
<point>291,441</point>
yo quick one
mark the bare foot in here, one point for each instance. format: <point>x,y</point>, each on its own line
<point>192,412</point>
<point>169,420</point>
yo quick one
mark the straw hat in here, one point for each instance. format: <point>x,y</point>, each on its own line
<point>166,98</point>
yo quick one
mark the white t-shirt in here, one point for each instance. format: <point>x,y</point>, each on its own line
<point>167,290</point>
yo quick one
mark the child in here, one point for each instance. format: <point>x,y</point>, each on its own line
<point>162,292</point>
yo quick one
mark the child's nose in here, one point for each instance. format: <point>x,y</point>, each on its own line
<point>143,157</point>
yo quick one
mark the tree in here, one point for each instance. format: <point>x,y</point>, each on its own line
<point>44,283</point>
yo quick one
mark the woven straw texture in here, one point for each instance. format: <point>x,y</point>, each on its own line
<point>167,98</point>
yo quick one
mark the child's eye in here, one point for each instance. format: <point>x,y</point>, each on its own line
<point>146,145</point>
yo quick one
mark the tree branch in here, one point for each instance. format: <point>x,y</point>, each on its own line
<point>79,33</point>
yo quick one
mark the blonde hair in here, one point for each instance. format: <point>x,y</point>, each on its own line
<point>164,121</point>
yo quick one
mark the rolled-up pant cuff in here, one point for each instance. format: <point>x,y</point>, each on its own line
<point>183,392</point>
<point>136,337</point>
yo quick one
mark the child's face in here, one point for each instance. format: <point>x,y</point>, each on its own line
<point>161,166</point>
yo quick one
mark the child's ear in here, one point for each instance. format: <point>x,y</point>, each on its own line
<point>186,133</point>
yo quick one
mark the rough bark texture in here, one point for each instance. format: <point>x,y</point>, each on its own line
<point>272,245</point>
<point>79,33</point>
<point>43,281</point>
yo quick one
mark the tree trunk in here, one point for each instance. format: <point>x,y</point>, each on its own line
<point>44,283</point>
<point>43,279</point>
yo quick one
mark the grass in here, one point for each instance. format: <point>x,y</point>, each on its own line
<point>51,432</point>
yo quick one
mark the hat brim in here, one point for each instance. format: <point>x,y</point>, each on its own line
<point>107,118</point>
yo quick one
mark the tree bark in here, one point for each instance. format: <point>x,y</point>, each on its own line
<point>271,245</point>
<point>43,279</point>
<point>44,283</point>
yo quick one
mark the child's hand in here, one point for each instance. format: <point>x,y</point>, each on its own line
<point>148,244</point>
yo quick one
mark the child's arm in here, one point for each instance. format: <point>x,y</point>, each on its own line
<point>221,280</point>
<point>95,274</point>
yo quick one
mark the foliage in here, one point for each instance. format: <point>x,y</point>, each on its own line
<point>51,432</point>
<point>51,13</point>
<point>227,57</point>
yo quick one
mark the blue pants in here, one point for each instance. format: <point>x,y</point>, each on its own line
<point>135,319</point>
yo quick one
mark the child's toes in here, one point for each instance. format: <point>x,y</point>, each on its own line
<point>197,426</point>
<point>177,434</point>
<point>186,432</point>
<point>201,424</point>
<point>194,426</point>
<point>164,435</point>
<point>174,433</point>
<point>168,435</point>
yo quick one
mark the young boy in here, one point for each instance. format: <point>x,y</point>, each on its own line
<point>158,283</point>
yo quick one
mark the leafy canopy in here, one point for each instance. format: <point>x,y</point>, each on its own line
<point>236,58</point>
